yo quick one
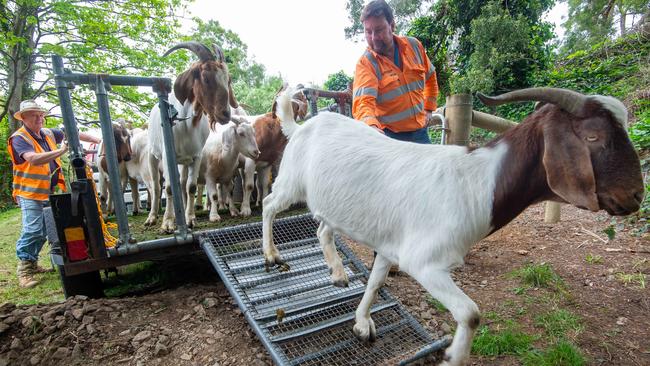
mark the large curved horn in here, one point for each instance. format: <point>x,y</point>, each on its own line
<point>569,100</point>
<point>219,53</point>
<point>199,49</point>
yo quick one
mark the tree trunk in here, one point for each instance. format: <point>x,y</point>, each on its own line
<point>20,69</point>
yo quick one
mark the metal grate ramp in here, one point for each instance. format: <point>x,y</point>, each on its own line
<point>316,318</point>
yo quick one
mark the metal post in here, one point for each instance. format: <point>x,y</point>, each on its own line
<point>110,153</point>
<point>459,116</point>
<point>81,186</point>
<point>76,153</point>
<point>170,153</point>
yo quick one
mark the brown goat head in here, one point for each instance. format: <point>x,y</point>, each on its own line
<point>122,139</point>
<point>588,157</point>
<point>206,84</point>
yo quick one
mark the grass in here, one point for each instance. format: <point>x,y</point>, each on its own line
<point>49,288</point>
<point>132,279</point>
<point>632,278</point>
<point>562,353</point>
<point>540,276</point>
<point>506,341</point>
<point>558,323</point>
<point>594,259</point>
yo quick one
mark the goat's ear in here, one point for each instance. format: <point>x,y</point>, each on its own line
<point>228,137</point>
<point>568,166</point>
<point>231,96</point>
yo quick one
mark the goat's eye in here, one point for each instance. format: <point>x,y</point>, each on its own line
<point>592,138</point>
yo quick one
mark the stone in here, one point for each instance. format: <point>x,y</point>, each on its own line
<point>163,339</point>
<point>77,351</point>
<point>186,357</point>
<point>77,313</point>
<point>34,360</point>
<point>61,353</point>
<point>125,332</point>
<point>160,350</point>
<point>3,327</point>
<point>210,302</point>
<point>16,344</point>
<point>199,310</point>
<point>87,319</point>
<point>30,321</point>
<point>142,336</point>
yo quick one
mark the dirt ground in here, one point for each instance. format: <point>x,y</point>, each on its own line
<point>197,323</point>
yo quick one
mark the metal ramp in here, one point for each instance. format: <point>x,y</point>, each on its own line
<point>300,317</point>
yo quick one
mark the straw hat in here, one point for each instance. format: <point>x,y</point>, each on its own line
<point>29,105</point>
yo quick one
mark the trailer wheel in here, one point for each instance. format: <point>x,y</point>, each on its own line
<point>87,284</point>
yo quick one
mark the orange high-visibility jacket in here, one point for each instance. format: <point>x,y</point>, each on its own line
<point>33,181</point>
<point>387,97</point>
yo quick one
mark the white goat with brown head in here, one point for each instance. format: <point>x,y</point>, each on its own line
<point>424,206</point>
<point>203,97</point>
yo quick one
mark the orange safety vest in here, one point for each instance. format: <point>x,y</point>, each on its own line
<point>34,181</point>
<point>389,97</point>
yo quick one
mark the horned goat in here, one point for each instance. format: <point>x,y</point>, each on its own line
<point>203,95</point>
<point>424,206</point>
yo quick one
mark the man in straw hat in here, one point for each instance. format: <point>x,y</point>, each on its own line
<point>36,173</point>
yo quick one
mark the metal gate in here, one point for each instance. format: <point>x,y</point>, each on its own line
<point>300,317</point>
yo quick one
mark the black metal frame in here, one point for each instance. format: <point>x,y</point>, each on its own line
<point>82,189</point>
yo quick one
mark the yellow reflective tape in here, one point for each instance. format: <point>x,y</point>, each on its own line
<point>74,234</point>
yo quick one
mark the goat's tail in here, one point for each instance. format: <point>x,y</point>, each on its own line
<point>284,111</point>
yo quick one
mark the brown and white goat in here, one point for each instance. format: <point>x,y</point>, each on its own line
<point>271,142</point>
<point>203,95</point>
<point>424,206</point>
<point>122,139</point>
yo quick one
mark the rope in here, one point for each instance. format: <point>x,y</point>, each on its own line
<point>109,240</point>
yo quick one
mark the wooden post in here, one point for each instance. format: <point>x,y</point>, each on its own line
<point>552,212</point>
<point>458,110</point>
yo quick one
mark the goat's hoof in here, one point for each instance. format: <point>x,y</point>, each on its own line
<point>215,218</point>
<point>276,261</point>
<point>365,333</point>
<point>340,283</point>
<point>245,212</point>
<point>150,222</point>
<point>191,223</point>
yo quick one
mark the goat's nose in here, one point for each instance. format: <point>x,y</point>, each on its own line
<point>639,196</point>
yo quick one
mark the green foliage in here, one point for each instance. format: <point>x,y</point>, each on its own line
<point>539,275</point>
<point>338,81</point>
<point>594,259</point>
<point>557,323</point>
<point>562,353</point>
<point>499,41</point>
<point>610,231</point>
<point>257,100</point>
<point>507,341</point>
<point>590,22</point>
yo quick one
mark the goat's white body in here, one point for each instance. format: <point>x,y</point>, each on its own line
<point>188,142</point>
<point>137,169</point>
<point>391,195</point>
<point>219,164</point>
<point>420,206</point>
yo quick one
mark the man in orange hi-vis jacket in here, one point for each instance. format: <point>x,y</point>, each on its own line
<point>36,173</point>
<point>395,86</point>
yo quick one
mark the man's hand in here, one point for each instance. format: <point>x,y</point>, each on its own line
<point>432,119</point>
<point>64,147</point>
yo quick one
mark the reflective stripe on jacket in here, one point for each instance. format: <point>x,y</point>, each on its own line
<point>387,97</point>
<point>34,181</point>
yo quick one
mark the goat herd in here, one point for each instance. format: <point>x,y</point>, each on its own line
<point>419,206</point>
